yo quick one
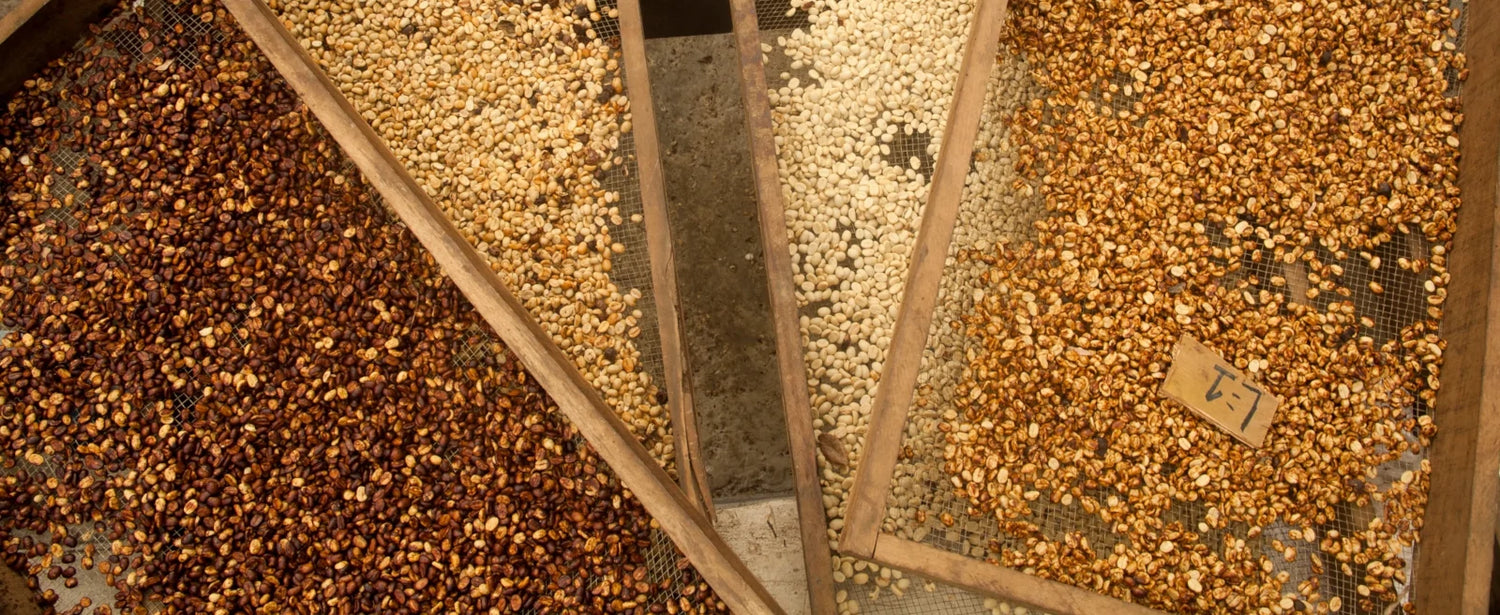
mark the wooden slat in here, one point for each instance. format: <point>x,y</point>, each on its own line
<point>36,32</point>
<point>1454,561</point>
<point>690,472</point>
<point>18,15</point>
<point>1460,526</point>
<point>813,520</point>
<point>1011,585</point>
<point>903,360</point>
<point>678,517</point>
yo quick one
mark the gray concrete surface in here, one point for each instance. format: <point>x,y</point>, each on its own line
<point>727,322</point>
<point>764,533</point>
<point>720,271</point>
<point>15,598</point>
<point>6,6</point>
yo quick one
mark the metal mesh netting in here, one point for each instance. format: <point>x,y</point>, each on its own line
<point>632,360</point>
<point>906,148</point>
<point>671,576</point>
<point>667,568</point>
<point>919,485</point>
<point>632,269</point>
<point>913,152</point>
<point>93,541</point>
<point>927,505</point>
<point>773,16</point>
<point>928,598</point>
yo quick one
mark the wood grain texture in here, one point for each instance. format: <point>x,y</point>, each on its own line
<point>1011,585</point>
<point>678,517</point>
<point>36,32</point>
<point>898,379</point>
<point>18,15</point>
<point>690,472</point>
<point>1454,562</point>
<point>812,519</point>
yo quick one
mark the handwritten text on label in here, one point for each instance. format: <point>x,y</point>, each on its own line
<point>1210,386</point>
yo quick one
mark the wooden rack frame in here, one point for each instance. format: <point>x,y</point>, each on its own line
<point>690,472</point>
<point>680,517</point>
<point>36,31</point>
<point>46,29</point>
<point>817,557</point>
<point>1454,561</point>
<point>898,380</point>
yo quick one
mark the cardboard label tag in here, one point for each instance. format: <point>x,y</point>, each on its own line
<point>1210,386</point>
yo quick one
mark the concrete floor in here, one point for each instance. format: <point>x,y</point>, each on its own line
<point>720,272</point>
<point>721,278</point>
<point>765,534</point>
<point>15,598</point>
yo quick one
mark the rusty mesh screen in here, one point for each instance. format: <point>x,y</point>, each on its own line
<point>913,152</point>
<point>924,503</point>
<point>630,270</point>
<point>676,582</point>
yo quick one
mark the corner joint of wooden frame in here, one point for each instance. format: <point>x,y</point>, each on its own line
<point>861,529</point>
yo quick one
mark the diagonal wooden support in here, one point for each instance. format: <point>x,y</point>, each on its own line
<point>817,556</point>
<point>688,527</point>
<point>898,380</point>
<point>690,472</point>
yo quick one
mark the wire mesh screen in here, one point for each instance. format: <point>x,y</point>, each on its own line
<point>952,492</point>
<point>666,568</point>
<point>569,241</point>
<point>993,212</point>
<point>774,17</point>
<point>632,268</point>
<point>903,146</point>
<point>924,598</point>
<point>67,185</point>
<point>133,555</point>
<point>853,214</point>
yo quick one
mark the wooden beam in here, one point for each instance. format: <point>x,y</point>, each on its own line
<point>18,15</point>
<point>999,581</point>
<point>679,518</point>
<point>795,404</point>
<point>679,388</point>
<point>1456,553</point>
<point>36,32</point>
<point>898,378</point>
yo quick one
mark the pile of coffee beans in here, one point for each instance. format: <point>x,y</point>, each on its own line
<point>232,383</point>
